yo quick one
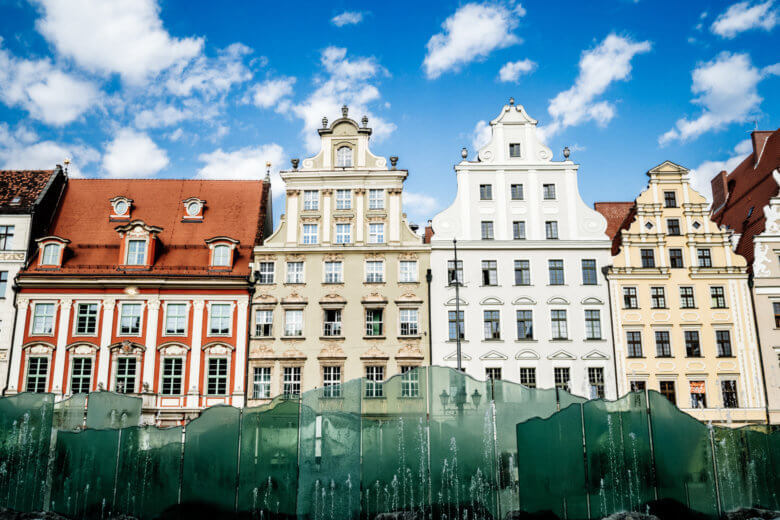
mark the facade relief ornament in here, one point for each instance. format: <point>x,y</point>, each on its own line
<point>408,256</point>
<point>262,352</point>
<point>772,215</point>
<point>409,351</point>
<point>374,353</point>
<point>294,258</point>
<point>332,352</point>
<point>265,298</point>
<point>331,257</point>
<point>360,191</point>
<point>761,260</point>
<point>375,256</point>
<point>293,353</point>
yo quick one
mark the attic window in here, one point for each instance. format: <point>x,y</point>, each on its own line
<point>50,251</point>
<point>222,251</point>
<point>120,208</point>
<point>514,149</point>
<point>344,157</point>
<point>193,209</point>
<point>51,254</point>
<point>16,201</point>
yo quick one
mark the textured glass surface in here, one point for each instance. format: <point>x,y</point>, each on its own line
<point>69,413</point>
<point>110,410</point>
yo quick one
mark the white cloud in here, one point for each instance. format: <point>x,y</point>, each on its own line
<point>21,150</point>
<point>743,16</point>
<point>512,70</point>
<point>133,154</point>
<point>471,33</point>
<point>419,205</point>
<point>209,76</point>
<point>348,81</point>
<point>726,89</point>
<point>347,18</point>
<point>245,163</point>
<point>126,37</point>
<point>702,175</point>
<point>47,93</point>
<point>271,91</point>
<point>481,135</point>
<point>610,61</point>
<point>161,115</point>
<point>771,70</point>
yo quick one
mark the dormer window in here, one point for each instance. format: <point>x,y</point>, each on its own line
<point>193,209</point>
<point>120,208</point>
<point>222,252</point>
<point>138,246</point>
<point>136,252</point>
<point>50,251</point>
<point>221,256</point>
<point>51,254</point>
<point>344,157</point>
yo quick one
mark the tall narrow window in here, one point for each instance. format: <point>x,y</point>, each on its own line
<point>692,345</point>
<point>311,200</point>
<point>343,233</point>
<point>670,199</point>
<point>293,323</point>
<point>548,191</point>
<point>668,391</point>
<point>331,381</point>
<point>343,199</point>
<point>634,343</point>
<point>657,298</point>
<point>81,375</point>
<point>456,327</point>
<point>673,226</point>
<point>37,372</point>
<point>492,325</point>
<point>556,272</point>
<point>687,300</point>
<point>334,272</point>
<point>487,230</point>
<point>559,325</point>
<point>718,297</point>
<point>130,319</point>
<point>522,272</point>
<point>294,272</point>
<point>261,383</point>
<point>525,325</point>
<point>638,386</point>
<point>264,323</point>
<point>310,235</point>
<point>332,322</point>
<point>291,381</point>
<point>136,252</point>
<point>518,230</point>
<point>776,309</point>
<point>728,389</point>
<point>528,377</point>
<point>51,253</point>
<point>175,319</point>
<point>551,230</point>
<point>630,300</point>
<point>6,237</point>
<point>344,157</point>
<point>3,283</point>
<point>589,276</point>
<point>698,394</point>
<point>723,342</point>
<point>663,346</point>
<point>374,322</point>
<point>705,257</point>
<point>221,256</point>
<point>561,377</point>
<point>410,381</point>
<point>375,376</point>
<point>266,273</point>
<point>408,271</point>
<point>173,376</point>
<point>86,318</point>
<point>376,199</point>
<point>376,233</point>
<point>493,373</point>
<point>453,273</point>
<point>409,322</point>
<point>648,258</point>
<point>216,377</point>
<point>592,324</point>
<point>375,271</point>
<point>485,192</point>
<point>219,319</point>
<point>596,380</point>
<point>489,272</point>
<point>676,259</point>
<point>516,191</point>
<point>126,370</point>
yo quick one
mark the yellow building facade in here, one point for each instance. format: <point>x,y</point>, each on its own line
<point>682,315</point>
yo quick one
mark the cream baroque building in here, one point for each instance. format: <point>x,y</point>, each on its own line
<point>340,286</point>
<point>533,299</point>
<point>681,304</point>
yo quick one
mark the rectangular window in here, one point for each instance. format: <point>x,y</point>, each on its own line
<point>668,391</point>
<point>410,381</point>
<point>592,324</point>
<point>705,257</point>
<point>776,308</point>
<point>493,373</point>
<point>455,328</point>
<point>687,300</point>
<point>728,389</point>
<point>261,383</point>
<point>311,200</point>
<point>409,320</point>
<point>175,319</point>
<point>6,237</point>
<point>130,319</point>
<point>81,375</point>
<point>518,230</point>
<point>670,199</point>
<point>294,272</point>
<point>408,271</point>
<point>310,235</point>
<point>596,380</point>
<point>219,319</point>
<point>514,149</point>
<point>522,272</point>
<point>487,230</point>
<point>86,318</point>
<point>343,233</point>
<point>589,276</point>
<point>376,199</point>
<point>698,394</point>
<point>634,343</point>
<point>663,346</point>
<point>375,375</point>
<point>548,191</point>
<point>126,369</point>
<point>452,272</point>
<point>658,297</point>
<point>343,199</point>
<point>630,301</point>
<point>485,192</point>
<point>718,297</point>
<point>293,322</point>
<point>173,376</point>
<point>376,233</point>
<point>517,192</point>
<point>374,322</point>
<point>291,381</point>
<point>559,325</point>
<point>37,371</point>
<point>375,271</point>
<point>136,252</point>
<point>266,273</point>
<point>673,226</point>
<point>334,272</point>
<point>556,272</point>
<point>561,375</point>
<point>692,344</point>
<point>638,386</point>
<point>332,322</point>
<point>264,323</point>
<point>723,342</point>
<point>492,324</point>
<point>528,377</point>
<point>676,259</point>
<point>551,230</point>
<point>525,325</point>
<point>3,283</point>
<point>331,381</point>
<point>648,258</point>
<point>489,272</point>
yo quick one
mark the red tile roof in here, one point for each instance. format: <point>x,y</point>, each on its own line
<point>750,185</point>
<point>236,209</point>
<point>27,185</point>
<point>619,216</point>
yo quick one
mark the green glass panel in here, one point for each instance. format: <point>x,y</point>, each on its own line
<point>210,465</point>
<point>731,455</point>
<point>329,453</point>
<point>566,399</point>
<point>25,435</point>
<point>683,457</point>
<point>83,473</point>
<point>110,410</point>
<point>148,472</point>
<point>619,464</point>
<point>268,468</point>
<point>69,413</point>
<point>763,475</point>
<point>551,467</point>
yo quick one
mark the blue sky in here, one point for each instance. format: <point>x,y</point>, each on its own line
<point>144,88</point>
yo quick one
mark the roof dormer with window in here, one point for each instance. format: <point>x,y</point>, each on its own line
<point>222,252</point>
<point>51,251</point>
<point>138,244</point>
<point>120,208</point>
<point>193,209</point>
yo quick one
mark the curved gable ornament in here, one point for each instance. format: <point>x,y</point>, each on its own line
<point>82,348</point>
<point>493,355</point>
<point>173,348</point>
<point>451,302</point>
<point>38,347</point>
<point>491,300</point>
<point>524,300</point>
<point>527,354</point>
<point>557,300</point>
<point>453,356</point>
<point>562,354</point>
<point>591,300</point>
<point>218,348</point>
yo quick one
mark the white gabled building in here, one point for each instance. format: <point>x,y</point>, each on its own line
<point>533,299</point>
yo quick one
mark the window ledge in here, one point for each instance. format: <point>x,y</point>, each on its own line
<point>262,337</point>
<point>557,285</point>
<point>373,337</point>
<point>374,397</point>
<point>210,335</point>
<point>493,340</point>
<point>331,338</point>
<point>561,339</point>
<point>490,285</point>
<point>265,283</point>
<point>526,340</point>
<point>664,357</point>
<point>726,357</point>
<point>374,283</point>
<point>301,337</point>
<point>455,341</point>
<point>409,336</point>
<point>294,283</point>
<point>635,357</point>
<point>333,283</point>
<point>409,282</point>
<point>594,340</point>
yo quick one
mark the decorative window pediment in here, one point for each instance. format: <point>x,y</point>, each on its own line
<point>451,302</point>
<point>595,355</point>
<point>527,354</point>
<point>561,354</point>
<point>493,355</point>
<point>138,245</point>
<point>222,252</point>
<point>453,356</point>
<point>491,300</point>
<point>51,251</point>
<point>558,300</point>
<point>592,301</point>
<point>193,209</point>
<point>524,300</point>
<point>121,207</point>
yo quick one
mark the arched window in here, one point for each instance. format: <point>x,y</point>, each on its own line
<point>344,157</point>
<point>51,254</point>
<point>221,256</point>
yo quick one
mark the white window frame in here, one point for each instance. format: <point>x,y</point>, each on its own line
<point>181,378</point>
<point>129,252</point>
<point>311,200</point>
<point>217,260</point>
<point>46,257</point>
<point>76,306</point>
<point>28,358</point>
<point>33,330</point>
<point>257,322</point>
<point>370,273</point>
<point>337,274</point>
<point>412,325</point>
<point>122,306</point>
<point>297,279</point>
<point>207,376</point>
<point>167,314</point>
<point>296,378</point>
<point>287,322</point>
<point>265,383</point>
<point>342,202</point>
<point>553,337</point>
<point>211,306</point>
<point>115,372</point>
<point>308,237</point>
<point>261,273</point>
<point>411,275</point>
<point>340,235</point>
<point>376,233</point>
<point>346,159</point>
<point>376,198</point>
<point>72,366</point>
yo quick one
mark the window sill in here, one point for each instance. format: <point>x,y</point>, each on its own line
<point>301,337</point>
<point>92,335</point>
<point>410,336</point>
<point>557,285</point>
<point>659,308</point>
<point>726,357</point>
<point>294,283</point>
<point>595,340</point>
<point>664,357</point>
<point>409,282</point>
<point>265,283</point>
<point>331,397</point>
<point>174,335</point>
<point>455,341</point>
<point>128,335</point>
<point>333,283</point>
<point>719,308</point>
<point>526,340</point>
<point>374,283</point>
<point>373,337</point>
<point>210,335</point>
<point>374,397</point>
<point>522,285</point>
<point>331,338</point>
<point>636,357</point>
<point>493,340</point>
<point>489,285</point>
<point>262,337</point>
<point>689,308</point>
<point>561,339</point>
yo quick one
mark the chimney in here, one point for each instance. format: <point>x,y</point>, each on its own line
<point>719,190</point>
<point>428,232</point>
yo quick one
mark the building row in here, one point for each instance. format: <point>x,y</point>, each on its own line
<point>184,293</point>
